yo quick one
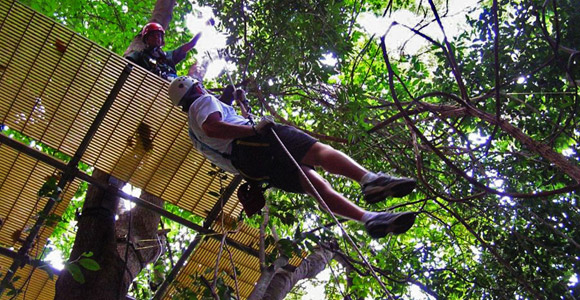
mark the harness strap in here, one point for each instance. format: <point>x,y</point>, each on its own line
<point>206,146</point>
<point>256,179</point>
<point>229,157</point>
<point>224,155</point>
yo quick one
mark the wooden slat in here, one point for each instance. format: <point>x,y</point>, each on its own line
<point>205,257</point>
<point>57,102</point>
<point>52,84</point>
<point>20,203</point>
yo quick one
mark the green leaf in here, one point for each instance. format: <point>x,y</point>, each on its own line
<point>87,254</point>
<point>75,272</point>
<point>89,264</point>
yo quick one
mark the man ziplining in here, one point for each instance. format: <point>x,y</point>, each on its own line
<point>234,144</point>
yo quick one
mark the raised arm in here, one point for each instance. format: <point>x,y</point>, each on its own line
<point>180,53</point>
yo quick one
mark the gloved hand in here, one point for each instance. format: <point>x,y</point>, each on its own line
<point>264,125</point>
<point>227,96</point>
<point>240,95</point>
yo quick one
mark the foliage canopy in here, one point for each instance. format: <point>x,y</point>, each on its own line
<point>488,126</point>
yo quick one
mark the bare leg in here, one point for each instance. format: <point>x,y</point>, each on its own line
<point>337,203</point>
<point>333,161</point>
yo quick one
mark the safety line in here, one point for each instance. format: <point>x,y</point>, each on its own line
<point>325,206</point>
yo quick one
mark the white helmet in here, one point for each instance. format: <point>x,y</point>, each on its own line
<point>179,86</point>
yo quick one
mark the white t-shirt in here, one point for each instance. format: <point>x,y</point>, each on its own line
<point>197,115</point>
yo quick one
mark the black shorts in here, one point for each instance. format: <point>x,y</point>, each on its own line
<point>262,159</point>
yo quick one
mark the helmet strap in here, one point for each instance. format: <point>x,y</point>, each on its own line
<point>188,100</point>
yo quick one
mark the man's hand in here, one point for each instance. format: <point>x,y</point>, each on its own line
<point>240,95</point>
<point>189,45</point>
<point>194,40</point>
<point>264,125</point>
<point>227,96</point>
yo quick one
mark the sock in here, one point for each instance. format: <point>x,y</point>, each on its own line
<point>368,177</point>
<point>367,216</point>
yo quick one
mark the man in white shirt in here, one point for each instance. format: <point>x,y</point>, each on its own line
<point>234,144</point>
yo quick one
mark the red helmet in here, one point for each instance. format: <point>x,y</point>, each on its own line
<point>151,27</point>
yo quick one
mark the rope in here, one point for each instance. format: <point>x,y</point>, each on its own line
<point>325,206</point>
<point>168,245</point>
<point>336,283</point>
<point>243,103</point>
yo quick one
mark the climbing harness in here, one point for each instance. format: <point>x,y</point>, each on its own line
<point>250,193</point>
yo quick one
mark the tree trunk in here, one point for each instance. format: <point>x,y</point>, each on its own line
<point>98,233</point>
<point>114,242</point>
<point>95,233</point>
<point>284,280</point>
<point>266,277</point>
<point>144,244</point>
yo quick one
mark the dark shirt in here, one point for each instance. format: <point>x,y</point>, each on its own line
<point>156,61</point>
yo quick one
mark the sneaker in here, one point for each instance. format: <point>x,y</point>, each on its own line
<point>384,223</point>
<point>385,186</point>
